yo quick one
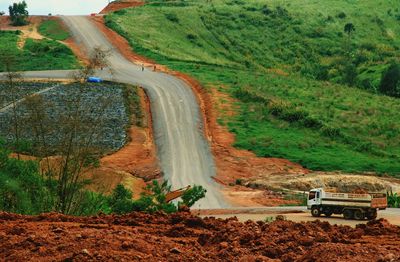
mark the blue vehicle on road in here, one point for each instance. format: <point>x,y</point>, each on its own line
<point>93,79</point>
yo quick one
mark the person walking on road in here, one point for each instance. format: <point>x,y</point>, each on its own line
<point>142,67</point>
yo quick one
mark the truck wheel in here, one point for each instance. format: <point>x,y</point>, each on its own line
<point>315,212</point>
<point>359,215</point>
<point>348,214</point>
<point>328,213</point>
<point>372,215</point>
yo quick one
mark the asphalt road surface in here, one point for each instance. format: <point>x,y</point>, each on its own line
<point>183,151</point>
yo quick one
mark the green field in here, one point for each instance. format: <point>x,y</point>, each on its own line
<point>35,55</point>
<point>307,90</point>
<point>53,29</point>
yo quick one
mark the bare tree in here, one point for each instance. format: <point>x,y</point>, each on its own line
<point>12,80</point>
<point>98,60</point>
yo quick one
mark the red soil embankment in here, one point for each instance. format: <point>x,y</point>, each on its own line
<point>121,4</point>
<point>184,237</point>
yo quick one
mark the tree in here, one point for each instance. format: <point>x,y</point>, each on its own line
<point>98,60</point>
<point>390,81</point>
<point>2,13</point>
<point>12,79</point>
<point>18,13</point>
<point>349,70</point>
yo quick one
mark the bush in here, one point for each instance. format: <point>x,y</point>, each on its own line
<point>172,17</point>
<point>121,200</point>
<point>331,132</point>
<point>22,189</point>
<point>341,15</point>
<point>191,37</point>
<point>191,196</point>
<point>390,81</point>
<point>393,200</point>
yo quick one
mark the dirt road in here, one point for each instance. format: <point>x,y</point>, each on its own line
<point>295,214</point>
<point>183,151</point>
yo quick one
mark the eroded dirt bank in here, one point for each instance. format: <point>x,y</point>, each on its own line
<point>184,237</point>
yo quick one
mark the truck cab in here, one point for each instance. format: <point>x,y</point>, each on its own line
<point>314,198</point>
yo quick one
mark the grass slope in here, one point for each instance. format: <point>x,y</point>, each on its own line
<point>277,57</point>
<point>53,29</point>
<point>36,54</point>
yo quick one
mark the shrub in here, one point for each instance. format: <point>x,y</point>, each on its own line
<point>191,37</point>
<point>331,132</point>
<point>121,200</point>
<point>390,81</point>
<point>341,15</point>
<point>120,12</point>
<point>172,17</point>
<point>191,196</point>
<point>265,10</point>
<point>393,200</point>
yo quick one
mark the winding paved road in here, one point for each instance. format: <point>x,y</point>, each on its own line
<point>183,151</point>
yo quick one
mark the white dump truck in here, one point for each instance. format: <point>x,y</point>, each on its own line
<point>352,206</point>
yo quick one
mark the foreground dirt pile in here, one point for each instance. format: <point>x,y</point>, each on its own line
<point>184,237</point>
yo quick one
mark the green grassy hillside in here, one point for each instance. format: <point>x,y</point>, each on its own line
<point>306,111</point>
<point>53,29</point>
<point>36,54</point>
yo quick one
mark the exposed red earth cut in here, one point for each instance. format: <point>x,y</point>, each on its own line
<point>184,237</point>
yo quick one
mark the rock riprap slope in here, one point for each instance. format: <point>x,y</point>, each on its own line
<point>49,113</point>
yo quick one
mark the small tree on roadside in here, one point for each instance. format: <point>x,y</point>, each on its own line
<point>18,13</point>
<point>12,80</point>
<point>1,13</point>
<point>98,60</point>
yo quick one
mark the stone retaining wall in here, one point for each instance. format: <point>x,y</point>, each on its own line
<point>96,113</point>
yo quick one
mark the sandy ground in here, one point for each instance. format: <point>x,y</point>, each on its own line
<point>27,31</point>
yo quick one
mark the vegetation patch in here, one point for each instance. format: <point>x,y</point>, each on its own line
<point>25,189</point>
<point>35,55</point>
<point>54,30</point>
<point>322,108</point>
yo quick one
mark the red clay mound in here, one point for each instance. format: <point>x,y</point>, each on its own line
<point>184,237</point>
<point>121,4</point>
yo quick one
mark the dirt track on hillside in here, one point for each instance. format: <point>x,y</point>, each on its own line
<point>231,163</point>
<point>183,237</point>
